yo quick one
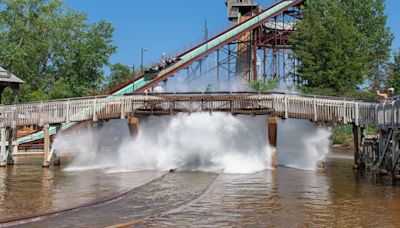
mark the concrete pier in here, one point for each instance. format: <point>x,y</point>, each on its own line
<point>133,125</point>
<point>272,138</point>
<point>8,146</point>
<point>3,148</point>
<point>12,146</point>
<point>57,160</point>
<point>46,148</point>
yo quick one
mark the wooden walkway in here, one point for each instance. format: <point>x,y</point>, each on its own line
<point>324,109</point>
<point>56,115</point>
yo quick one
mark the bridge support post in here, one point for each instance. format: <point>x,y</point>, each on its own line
<point>12,146</point>
<point>46,148</point>
<point>133,125</point>
<point>362,147</point>
<point>321,125</point>
<point>3,147</point>
<point>57,159</point>
<point>356,135</point>
<point>272,138</point>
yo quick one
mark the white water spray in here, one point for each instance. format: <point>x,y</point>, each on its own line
<point>200,141</point>
<point>219,142</point>
<point>301,145</point>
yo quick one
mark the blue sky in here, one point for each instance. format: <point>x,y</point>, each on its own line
<point>167,25</point>
<point>393,10</point>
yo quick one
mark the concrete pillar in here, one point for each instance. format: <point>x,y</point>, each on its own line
<point>133,125</point>
<point>356,145</point>
<point>46,148</point>
<point>272,138</point>
<point>3,147</point>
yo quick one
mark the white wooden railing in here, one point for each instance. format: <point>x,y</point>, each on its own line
<point>388,114</point>
<point>314,108</point>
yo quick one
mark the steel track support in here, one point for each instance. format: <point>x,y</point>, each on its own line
<point>218,64</point>
<point>264,64</point>
<point>255,37</point>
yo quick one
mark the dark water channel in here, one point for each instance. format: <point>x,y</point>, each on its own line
<point>336,196</point>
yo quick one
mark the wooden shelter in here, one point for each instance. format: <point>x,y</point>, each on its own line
<point>7,79</point>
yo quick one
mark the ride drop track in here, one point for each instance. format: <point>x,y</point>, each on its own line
<point>136,206</point>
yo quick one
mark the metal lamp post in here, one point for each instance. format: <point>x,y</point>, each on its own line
<point>133,78</point>
<point>142,66</point>
<point>206,29</point>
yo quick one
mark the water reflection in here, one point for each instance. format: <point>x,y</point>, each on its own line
<point>288,197</point>
<point>279,197</point>
<point>336,196</point>
<point>27,189</point>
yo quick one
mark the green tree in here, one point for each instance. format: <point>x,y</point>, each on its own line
<point>118,74</point>
<point>370,20</point>
<point>261,86</point>
<point>340,44</point>
<point>394,73</point>
<point>53,48</point>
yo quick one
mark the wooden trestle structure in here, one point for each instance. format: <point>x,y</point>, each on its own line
<point>380,152</point>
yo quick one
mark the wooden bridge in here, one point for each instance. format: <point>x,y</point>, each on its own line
<point>315,108</point>
<point>379,152</point>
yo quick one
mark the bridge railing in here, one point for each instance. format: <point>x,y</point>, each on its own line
<point>388,114</point>
<point>323,109</point>
<point>314,108</point>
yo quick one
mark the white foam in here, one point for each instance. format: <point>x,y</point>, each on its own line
<point>219,142</point>
<point>200,141</point>
<point>301,144</point>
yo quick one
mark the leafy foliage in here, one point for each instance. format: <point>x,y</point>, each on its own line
<point>341,44</point>
<point>261,86</point>
<point>119,74</point>
<point>394,73</point>
<point>370,20</point>
<point>52,48</point>
<point>343,134</point>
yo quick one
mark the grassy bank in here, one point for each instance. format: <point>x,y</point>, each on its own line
<point>343,134</point>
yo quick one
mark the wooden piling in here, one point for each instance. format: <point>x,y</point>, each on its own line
<point>356,145</point>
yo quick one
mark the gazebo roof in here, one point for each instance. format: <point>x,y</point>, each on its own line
<point>8,77</point>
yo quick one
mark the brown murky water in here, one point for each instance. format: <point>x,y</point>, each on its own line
<point>27,189</point>
<point>284,197</point>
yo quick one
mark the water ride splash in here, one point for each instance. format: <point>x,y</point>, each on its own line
<point>301,144</point>
<point>219,142</point>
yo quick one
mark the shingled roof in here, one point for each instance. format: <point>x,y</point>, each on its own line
<point>6,76</point>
